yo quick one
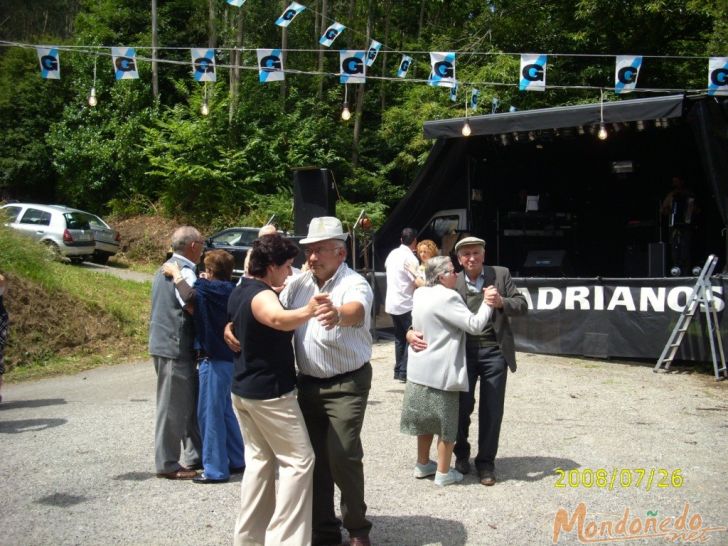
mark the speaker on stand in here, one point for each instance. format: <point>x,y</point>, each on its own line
<point>314,195</point>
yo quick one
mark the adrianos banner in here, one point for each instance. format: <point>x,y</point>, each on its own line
<point>628,318</point>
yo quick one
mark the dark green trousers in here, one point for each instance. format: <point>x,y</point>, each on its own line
<point>334,413</point>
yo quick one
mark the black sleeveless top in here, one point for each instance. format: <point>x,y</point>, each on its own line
<point>265,368</point>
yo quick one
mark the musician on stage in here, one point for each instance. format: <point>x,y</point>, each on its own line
<point>680,209</point>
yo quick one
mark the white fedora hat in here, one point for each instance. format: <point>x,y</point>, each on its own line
<point>323,228</point>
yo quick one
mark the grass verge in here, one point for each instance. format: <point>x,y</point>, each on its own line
<point>65,318</point>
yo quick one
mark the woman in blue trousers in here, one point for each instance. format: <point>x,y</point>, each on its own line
<point>222,442</point>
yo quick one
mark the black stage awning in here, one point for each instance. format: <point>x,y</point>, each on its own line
<point>559,117</point>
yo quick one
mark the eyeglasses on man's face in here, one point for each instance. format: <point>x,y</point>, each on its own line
<point>319,250</point>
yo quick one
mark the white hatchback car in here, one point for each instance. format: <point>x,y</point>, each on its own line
<point>65,231</point>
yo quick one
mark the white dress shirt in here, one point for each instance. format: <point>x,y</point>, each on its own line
<point>325,353</point>
<point>188,274</point>
<point>400,281</point>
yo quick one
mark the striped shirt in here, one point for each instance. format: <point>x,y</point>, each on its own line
<point>325,353</point>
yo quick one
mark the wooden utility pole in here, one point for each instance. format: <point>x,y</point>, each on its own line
<point>284,58</point>
<point>211,26</point>
<point>360,98</point>
<point>155,68</point>
<point>324,12</point>
<point>383,88</point>
<point>236,61</point>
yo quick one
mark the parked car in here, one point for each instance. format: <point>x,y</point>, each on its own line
<point>66,232</point>
<point>237,241</point>
<point>107,239</point>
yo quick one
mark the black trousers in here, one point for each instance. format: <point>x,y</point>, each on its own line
<point>401,325</point>
<point>488,365</point>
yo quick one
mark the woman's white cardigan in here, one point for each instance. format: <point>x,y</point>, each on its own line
<point>442,316</point>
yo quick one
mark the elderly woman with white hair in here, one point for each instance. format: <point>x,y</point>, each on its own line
<point>437,374</point>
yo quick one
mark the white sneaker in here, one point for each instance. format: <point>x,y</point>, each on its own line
<point>452,476</point>
<point>425,470</point>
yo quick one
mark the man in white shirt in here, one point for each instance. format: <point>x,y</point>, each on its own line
<point>401,266</point>
<point>333,350</point>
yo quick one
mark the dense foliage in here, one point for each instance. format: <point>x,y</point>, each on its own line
<point>135,151</point>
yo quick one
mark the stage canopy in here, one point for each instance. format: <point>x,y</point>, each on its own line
<point>560,117</point>
<point>599,199</point>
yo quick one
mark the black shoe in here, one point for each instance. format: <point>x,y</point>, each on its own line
<point>237,469</point>
<point>462,466</point>
<point>204,479</point>
<point>487,477</point>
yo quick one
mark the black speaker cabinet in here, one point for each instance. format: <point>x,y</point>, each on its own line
<point>313,196</point>
<point>656,259</point>
<point>545,263</point>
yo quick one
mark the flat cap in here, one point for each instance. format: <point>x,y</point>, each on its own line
<point>469,241</point>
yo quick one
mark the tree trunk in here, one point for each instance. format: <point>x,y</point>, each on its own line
<point>383,88</point>
<point>324,11</point>
<point>284,60</point>
<point>422,19</point>
<point>236,61</point>
<point>360,99</point>
<point>212,28</point>
<point>155,43</point>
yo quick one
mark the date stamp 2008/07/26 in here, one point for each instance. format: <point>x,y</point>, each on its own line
<point>619,478</point>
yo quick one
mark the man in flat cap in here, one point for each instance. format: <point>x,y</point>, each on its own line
<point>488,353</point>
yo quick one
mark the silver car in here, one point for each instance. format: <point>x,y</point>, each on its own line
<point>107,239</point>
<point>65,231</point>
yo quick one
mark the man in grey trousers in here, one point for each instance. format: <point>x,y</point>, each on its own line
<point>171,337</point>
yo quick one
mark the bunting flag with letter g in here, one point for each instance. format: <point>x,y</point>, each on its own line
<point>236,3</point>
<point>443,69</point>
<point>533,73</point>
<point>331,34</point>
<point>203,64</point>
<point>287,16</point>
<point>404,65</point>
<point>124,60</point>
<point>474,97</point>
<point>353,67</point>
<point>374,48</point>
<point>454,92</point>
<point>718,76</point>
<point>626,73</point>
<point>50,63</point>
<point>270,65</point>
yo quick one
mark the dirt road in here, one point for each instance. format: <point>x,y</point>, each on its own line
<point>77,462</point>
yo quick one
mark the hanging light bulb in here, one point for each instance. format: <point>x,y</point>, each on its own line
<point>346,113</point>
<point>602,134</point>
<point>92,95</point>
<point>466,131</point>
<point>205,108</point>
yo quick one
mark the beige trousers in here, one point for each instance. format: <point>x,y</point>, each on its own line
<point>275,436</point>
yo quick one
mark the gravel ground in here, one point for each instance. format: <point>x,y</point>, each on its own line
<point>77,456</point>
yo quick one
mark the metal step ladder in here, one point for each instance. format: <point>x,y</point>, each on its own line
<point>701,295</point>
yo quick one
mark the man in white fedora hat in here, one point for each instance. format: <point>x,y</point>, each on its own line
<point>333,350</point>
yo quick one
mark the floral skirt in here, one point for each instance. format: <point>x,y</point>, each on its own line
<point>430,411</point>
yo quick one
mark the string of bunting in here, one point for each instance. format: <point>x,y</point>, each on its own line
<point>353,64</point>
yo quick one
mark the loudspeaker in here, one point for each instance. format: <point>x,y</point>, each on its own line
<point>656,259</point>
<point>545,263</point>
<point>313,196</point>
